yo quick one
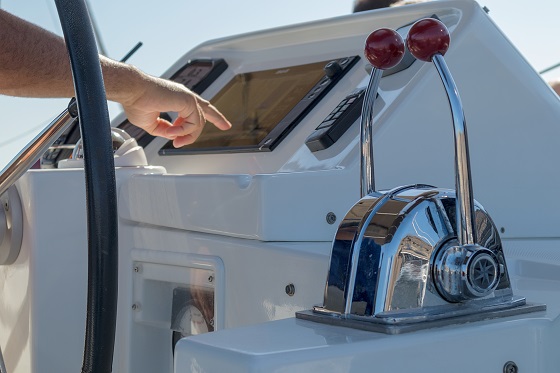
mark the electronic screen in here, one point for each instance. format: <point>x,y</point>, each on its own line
<point>262,106</point>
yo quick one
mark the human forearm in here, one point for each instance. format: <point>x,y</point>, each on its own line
<point>35,63</point>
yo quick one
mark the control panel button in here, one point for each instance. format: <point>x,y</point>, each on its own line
<point>337,122</point>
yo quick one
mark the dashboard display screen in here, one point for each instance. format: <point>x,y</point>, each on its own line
<point>260,105</point>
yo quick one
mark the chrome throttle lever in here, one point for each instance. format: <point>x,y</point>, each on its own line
<point>397,263</point>
<point>384,49</point>
<point>467,270</point>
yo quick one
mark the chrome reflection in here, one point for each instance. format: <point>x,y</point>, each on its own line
<point>384,255</point>
<point>36,147</point>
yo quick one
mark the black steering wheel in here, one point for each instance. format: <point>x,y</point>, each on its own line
<point>100,186</point>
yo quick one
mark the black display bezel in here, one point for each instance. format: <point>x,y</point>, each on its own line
<point>285,126</point>
<point>218,66</point>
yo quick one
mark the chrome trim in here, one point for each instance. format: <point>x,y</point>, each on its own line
<point>386,249</point>
<point>358,242</point>
<point>344,253</point>
<point>366,134</point>
<point>463,184</point>
<point>33,151</point>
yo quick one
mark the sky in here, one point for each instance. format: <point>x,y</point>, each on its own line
<point>179,25</point>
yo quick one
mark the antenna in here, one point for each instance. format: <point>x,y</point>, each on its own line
<point>549,68</point>
<point>131,52</point>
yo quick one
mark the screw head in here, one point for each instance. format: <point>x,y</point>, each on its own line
<point>210,278</point>
<point>510,367</point>
<point>331,218</point>
<point>290,289</point>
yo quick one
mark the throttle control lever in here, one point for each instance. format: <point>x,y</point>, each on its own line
<point>384,49</point>
<point>397,262</point>
<point>467,270</point>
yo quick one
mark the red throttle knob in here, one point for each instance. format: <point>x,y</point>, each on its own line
<point>426,38</point>
<point>384,48</point>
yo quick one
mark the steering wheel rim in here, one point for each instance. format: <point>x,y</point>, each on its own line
<point>100,186</point>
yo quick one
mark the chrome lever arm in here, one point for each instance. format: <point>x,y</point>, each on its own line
<point>366,134</point>
<point>463,183</point>
<point>384,49</point>
<point>467,270</point>
<point>428,40</point>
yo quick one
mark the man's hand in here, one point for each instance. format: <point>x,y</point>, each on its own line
<point>159,95</point>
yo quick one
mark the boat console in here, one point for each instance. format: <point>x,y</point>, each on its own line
<point>311,236</point>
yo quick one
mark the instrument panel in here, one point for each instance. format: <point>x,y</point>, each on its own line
<point>263,106</point>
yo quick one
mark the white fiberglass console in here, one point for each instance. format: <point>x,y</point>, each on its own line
<point>274,112</point>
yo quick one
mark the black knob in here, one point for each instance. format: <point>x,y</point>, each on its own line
<point>332,69</point>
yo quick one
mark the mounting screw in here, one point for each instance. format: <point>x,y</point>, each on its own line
<point>510,367</point>
<point>135,307</point>
<point>331,218</point>
<point>290,290</point>
<point>136,269</point>
<point>6,206</point>
<point>502,230</point>
<point>210,278</point>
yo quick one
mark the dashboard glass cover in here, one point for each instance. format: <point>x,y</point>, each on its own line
<point>256,103</point>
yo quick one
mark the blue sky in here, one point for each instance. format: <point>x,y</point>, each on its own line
<point>179,25</point>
